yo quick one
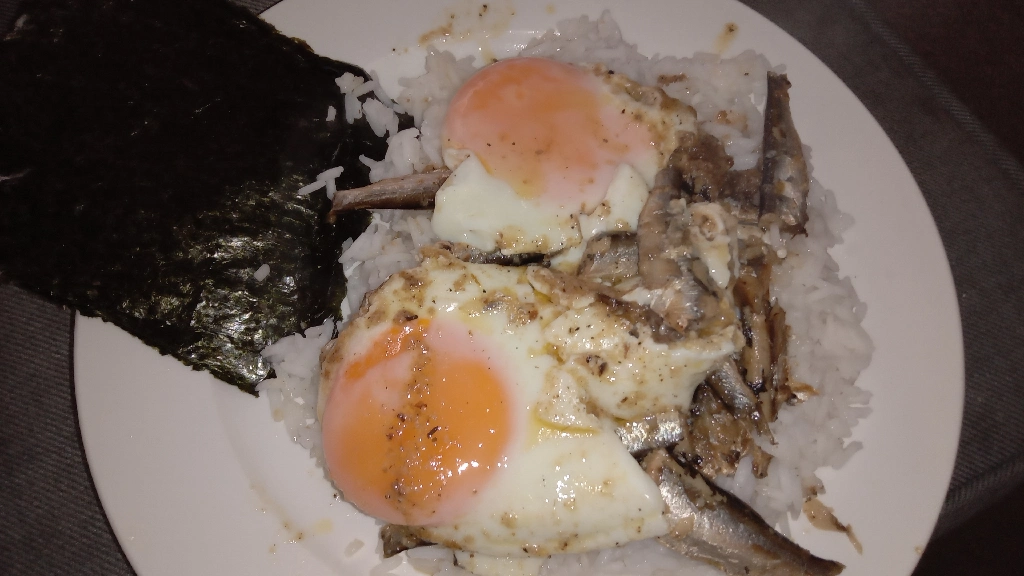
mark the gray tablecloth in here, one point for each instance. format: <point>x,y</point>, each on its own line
<point>51,521</point>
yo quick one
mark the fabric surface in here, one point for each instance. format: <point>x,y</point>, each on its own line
<point>991,455</point>
<point>975,191</point>
<point>52,519</point>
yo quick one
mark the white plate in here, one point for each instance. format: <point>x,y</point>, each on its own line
<point>196,478</point>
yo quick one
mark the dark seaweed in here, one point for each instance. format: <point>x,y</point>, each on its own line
<point>156,148</point>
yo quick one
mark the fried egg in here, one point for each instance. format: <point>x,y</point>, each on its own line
<point>476,403</point>
<point>538,145</point>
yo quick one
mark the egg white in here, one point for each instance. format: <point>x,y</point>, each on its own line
<point>478,209</point>
<point>568,484</point>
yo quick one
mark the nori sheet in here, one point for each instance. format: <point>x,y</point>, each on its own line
<point>151,151</point>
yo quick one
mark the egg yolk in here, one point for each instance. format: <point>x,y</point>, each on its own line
<point>550,130</point>
<point>416,426</point>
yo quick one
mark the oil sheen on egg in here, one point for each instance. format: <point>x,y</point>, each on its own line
<point>461,401</point>
<point>536,144</point>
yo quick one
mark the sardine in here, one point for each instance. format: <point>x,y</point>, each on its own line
<point>707,175</point>
<point>785,182</point>
<point>751,295</point>
<point>661,231</point>
<point>655,431</point>
<point>712,436</point>
<point>779,334</point>
<point>717,438</point>
<point>728,384</point>
<point>661,331</point>
<point>396,538</point>
<point>410,192</point>
<point>742,194</point>
<point>711,525</point>
<point>703,164</point>
<point>824,518</point>
<point>468,253</point>
<point>568,290</point>
<point>610,258</point>
<point>764,358</point>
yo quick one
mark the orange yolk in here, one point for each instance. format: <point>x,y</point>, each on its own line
<point>550,130</point>
<point>415,426</point>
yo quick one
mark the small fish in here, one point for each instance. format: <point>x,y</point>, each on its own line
<point>412,191</point>
<point>764,357</point>
<point>661,231</point>
<point>718,438</point>
<point>728,383</point>
<point>652,432</point>
<point>708,176</point>
<point>785,182</point>
<point>396,538</point>
<point>610,258</point>
<point>823,517</point>
<point>704,165</point>
<point>780,381</point>
<point>752,299</point>
<point>742,194</point>
<point>569,290</point>
<point>710,436</point>
<point>467,253</point>
<point>711,525</point>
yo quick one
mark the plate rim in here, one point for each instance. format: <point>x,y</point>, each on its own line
<point>957,361</point>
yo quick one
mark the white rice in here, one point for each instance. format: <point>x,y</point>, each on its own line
<point>261,273</point>
<point>327,177</point>
<point>828,347</point>
<point>292,393</point>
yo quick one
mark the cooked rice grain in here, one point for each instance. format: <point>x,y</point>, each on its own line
<point>828,347</point>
